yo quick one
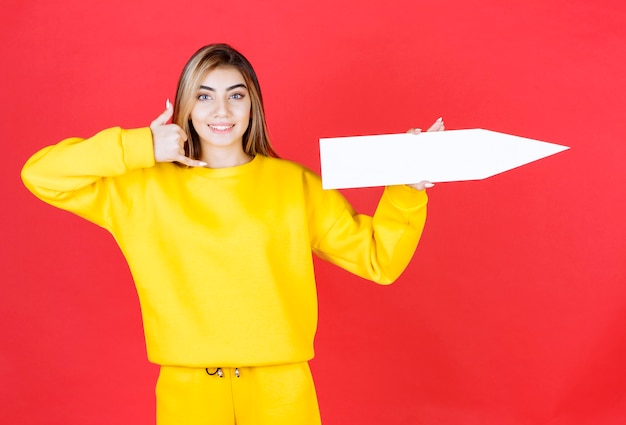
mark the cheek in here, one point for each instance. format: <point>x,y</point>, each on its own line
<point>193,115</point>
<point>194,125</point>
<point>196,117</point>
<point>246,117</point>
<point>246,113</point>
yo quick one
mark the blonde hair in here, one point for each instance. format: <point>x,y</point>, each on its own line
<point>256,138</point>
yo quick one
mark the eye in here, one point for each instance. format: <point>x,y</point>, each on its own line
<point>237,96</point>
<point>204,96</point>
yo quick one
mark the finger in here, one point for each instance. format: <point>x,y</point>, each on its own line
<point>422,185</point>
<point>190,162</point>
<point>164,117</point>
<point>437,126</point>
<point>181,133</point>
<point>414,131</point>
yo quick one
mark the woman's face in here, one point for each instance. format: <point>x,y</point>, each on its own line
<point>221,113</point>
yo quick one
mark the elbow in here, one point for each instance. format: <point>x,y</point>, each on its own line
<point>387,269</point>
<point>28,178</point>
<point>385,279</point>
<point>34,181</point>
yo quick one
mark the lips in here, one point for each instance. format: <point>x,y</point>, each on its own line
<point>221,127</point>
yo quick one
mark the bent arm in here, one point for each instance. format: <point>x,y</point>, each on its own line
<point>74,174</point>
<point>377,248</point>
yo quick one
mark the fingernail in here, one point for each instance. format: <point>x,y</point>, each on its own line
<point>440,119</point>
<point>202,164</point>
<point>168,104</point>
<point>429,185</point>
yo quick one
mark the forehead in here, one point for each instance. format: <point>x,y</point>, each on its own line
<point>222,77</point>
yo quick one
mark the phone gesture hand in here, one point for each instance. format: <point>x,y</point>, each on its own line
<point>169,140</point>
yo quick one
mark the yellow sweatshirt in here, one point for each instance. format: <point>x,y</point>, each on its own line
<point>221,258</point>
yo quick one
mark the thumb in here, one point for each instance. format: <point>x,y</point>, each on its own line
<point>165,116</point>
<point>437,126</point>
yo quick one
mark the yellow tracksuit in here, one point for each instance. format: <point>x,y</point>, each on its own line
<point>221,258</point>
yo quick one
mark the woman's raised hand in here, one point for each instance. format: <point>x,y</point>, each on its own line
<point>169,140</point>
<point>437,126</point>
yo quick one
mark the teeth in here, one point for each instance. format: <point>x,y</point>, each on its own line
<point>221,127</point>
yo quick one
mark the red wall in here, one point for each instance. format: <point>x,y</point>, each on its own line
<point>514,308</point>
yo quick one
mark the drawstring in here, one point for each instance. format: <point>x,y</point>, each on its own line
<point>220,373</point>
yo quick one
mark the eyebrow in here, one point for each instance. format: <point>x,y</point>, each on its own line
<point>236,86</point>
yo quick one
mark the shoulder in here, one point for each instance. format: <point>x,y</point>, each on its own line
<point>294,177</point>
<point>287,165</point>
<point>297,178</point>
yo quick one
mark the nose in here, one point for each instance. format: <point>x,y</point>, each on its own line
<point>221,107</point>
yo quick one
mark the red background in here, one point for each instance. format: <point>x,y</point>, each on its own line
<point>513,309</point>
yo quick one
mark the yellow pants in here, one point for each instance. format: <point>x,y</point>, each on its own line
<point>269,395</point>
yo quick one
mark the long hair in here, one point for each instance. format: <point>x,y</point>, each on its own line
<point>256,138</point>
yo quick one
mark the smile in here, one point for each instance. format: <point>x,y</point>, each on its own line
<point>221,127</point>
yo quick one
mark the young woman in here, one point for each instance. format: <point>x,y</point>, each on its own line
<point>218,233</point>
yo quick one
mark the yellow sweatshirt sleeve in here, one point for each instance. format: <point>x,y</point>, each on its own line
<point>76,174</point>
<point>377,248</point>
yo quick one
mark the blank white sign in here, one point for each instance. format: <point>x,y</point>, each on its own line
<point>441,156</point>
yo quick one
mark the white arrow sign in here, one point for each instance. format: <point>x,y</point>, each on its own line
<point>441,156</point>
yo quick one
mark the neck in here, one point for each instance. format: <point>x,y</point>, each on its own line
<point>224,158</point>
